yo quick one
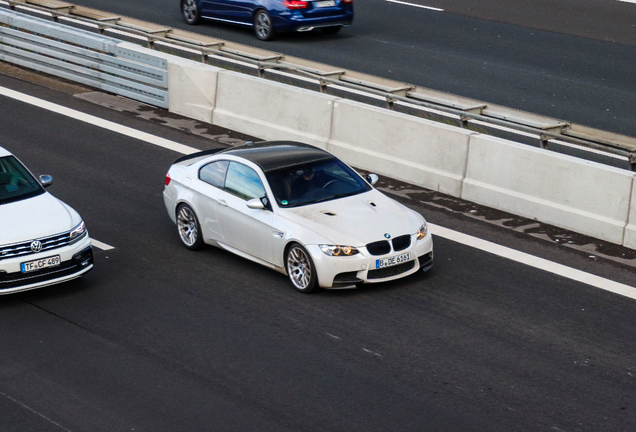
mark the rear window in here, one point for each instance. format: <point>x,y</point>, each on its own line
<point>16,183</point>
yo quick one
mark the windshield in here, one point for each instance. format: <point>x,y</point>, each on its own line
<point>315,182</point>
<point>16,183</point>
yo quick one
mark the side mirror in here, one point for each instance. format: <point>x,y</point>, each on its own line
<point>256,204</point>
<point>372,178</point>
<point>46,180</point>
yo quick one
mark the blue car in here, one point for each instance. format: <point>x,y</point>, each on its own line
<point>268,17</point>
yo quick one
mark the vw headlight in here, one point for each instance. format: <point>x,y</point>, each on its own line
<point>421,233</point>
<point>335,250</point>
<point>77,233</point>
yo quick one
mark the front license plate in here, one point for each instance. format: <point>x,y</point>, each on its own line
<point>40,264</point>
<point>394,260</point>
<point>326,3</point>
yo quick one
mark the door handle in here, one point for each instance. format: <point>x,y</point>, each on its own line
<point>222,202</point>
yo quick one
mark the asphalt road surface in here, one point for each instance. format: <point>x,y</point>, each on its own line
<point>552,58</point>
<point>158,338</point>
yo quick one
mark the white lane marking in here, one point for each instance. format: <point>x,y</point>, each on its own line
<point>34,411</point>
<point>100,245</point>
<point>372,352</point>
<point>628,1</point>
<point>96,121</point>
<point>536,262</point>
<point>416,5</point>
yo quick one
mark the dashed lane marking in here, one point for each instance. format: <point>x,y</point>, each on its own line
<point>100,245</point>
<point>502,251</point>
<point>416,5</point>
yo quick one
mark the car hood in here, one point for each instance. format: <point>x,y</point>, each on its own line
<point>32,218</point>
<point>356,220</point>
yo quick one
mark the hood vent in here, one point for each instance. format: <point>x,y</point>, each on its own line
<point>372,204</point>
<point>328,213</point>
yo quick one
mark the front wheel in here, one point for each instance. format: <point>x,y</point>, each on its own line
<point>263,25</point>
<point>300,269</point>
<point>189,228</point>
<point>190,12</point>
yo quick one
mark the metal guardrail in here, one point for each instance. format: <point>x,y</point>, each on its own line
<point>82,57</point>
<point>207,49</point>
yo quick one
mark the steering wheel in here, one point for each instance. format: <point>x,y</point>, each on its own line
<point>329,183</point>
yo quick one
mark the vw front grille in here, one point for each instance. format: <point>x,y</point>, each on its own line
<point>24,248</point>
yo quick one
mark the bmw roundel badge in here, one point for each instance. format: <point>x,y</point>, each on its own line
<point>387,235</point>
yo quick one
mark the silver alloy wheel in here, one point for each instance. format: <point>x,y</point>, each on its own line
<point>187,225</point>
<point>299,268</point>
<point>190,11</point>
<point>263,25</point>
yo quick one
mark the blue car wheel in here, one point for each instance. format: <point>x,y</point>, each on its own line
<point>263,25</point>
<point>190,11</point>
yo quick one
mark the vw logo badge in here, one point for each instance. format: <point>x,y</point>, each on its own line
<point>36,246</point>
<point>387,235</point>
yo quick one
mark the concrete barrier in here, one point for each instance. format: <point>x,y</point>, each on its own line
<point>571,193</point>
<point>630,230</point>
<point>191,85</point>
<point>271,110</point>
<point>411,149</point>
<point>582,196</point>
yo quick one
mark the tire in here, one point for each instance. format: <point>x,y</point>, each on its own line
<point>263,27</point>
<point>188,228</point>
<point>301,269</point>
<point>331,30</point>
<point>190,12</point>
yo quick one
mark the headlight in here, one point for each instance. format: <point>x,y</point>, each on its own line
<point>335,250</point>
<point>421,233</point>
<point>77,233</point>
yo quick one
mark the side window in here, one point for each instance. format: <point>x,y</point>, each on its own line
<point>243,182</point>
<point>214,173</point>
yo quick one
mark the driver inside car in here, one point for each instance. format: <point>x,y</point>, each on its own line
<point>301,182</point>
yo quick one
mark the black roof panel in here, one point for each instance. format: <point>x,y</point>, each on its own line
<point>273,155</point>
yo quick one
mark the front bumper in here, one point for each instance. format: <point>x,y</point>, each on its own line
<point>346,272</point>
<point>76,260</point>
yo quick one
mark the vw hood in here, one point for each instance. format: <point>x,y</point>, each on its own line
<point>37,217</point>
<point>356,220</point>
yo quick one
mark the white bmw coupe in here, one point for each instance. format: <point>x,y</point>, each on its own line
<point>42,240</point>
<point>299,210</point>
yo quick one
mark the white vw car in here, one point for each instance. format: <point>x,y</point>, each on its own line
<point>42,240</point>
<point>299,210</point>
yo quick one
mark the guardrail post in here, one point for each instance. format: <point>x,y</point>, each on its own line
<point>323,85</point>
<point>544,141</point>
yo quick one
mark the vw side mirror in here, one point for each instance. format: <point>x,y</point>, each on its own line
<point>46,180</point>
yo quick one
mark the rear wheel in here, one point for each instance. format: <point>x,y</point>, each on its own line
<point>300,269</point>
<point>189,228</point>
<point>263,25</point>
<point>331,30</point>
<point>190,12</point>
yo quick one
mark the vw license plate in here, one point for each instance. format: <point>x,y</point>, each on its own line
<point>391,261</point>
<point>40,264</point>
<point>326,3</point>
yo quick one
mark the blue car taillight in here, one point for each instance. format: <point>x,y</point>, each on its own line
<point>296,4</point>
